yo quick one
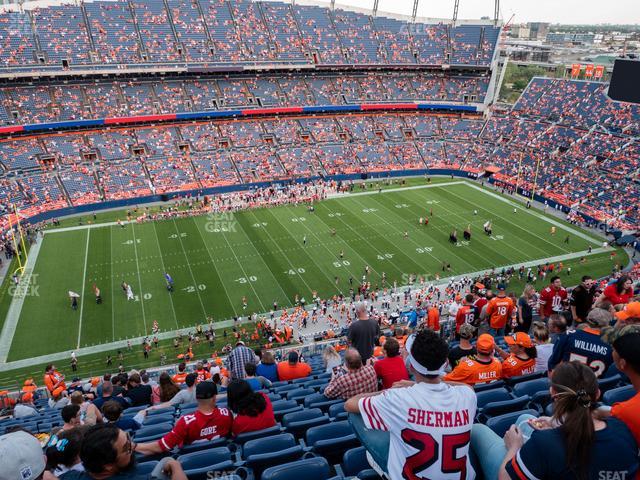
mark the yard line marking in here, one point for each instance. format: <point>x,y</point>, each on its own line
<point>173,309</point>
<point>195,283</point>
<point>113,292</point>
<point>84,280</point>
<point>224,284</point>
<point>135,249</point>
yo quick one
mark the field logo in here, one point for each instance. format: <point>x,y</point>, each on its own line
<point>27,285</point>
<point>221,222</point>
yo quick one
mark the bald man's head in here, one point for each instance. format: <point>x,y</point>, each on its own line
<point>352,359</point>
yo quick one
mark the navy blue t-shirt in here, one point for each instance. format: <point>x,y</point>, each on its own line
<point>585,346</point>
<point>614,454</point>
<point>270,372</point>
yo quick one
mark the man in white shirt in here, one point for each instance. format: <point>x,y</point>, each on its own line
<point>429,421</point>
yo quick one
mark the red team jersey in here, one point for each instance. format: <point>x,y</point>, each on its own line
<point>551,300</point>
<point>466,314</point>
<point>196,427</point>
<point>430,429</point>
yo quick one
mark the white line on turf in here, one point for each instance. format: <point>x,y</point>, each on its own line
<point>141,297</point>
<point>84,281</point>
<point>54,357</point>
<point>113,292</point>
<point>13,315</point>
<point>173,309</point>
<point>391,190</point>
<point>195,283</point>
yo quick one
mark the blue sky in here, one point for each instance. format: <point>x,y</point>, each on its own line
<point>555,11</point>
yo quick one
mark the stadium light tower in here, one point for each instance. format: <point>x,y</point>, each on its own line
<point>456,5</point>
<point>374,13</point>
<point>496,12</point>
<point>414,13</point>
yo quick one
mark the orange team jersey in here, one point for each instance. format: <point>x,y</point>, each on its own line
<point>202,375</point>
<point>466,314</point>
<point>433,319</point>
<point>513,366</point>
<point>51,379</point>
<point>499,311</point>
<point>179,378</point>
<point>628,413</point>
<point>475,371</point>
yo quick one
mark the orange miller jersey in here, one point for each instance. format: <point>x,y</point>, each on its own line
<point>513,366</point>
<point>499,311</point>
<point>475,371</point>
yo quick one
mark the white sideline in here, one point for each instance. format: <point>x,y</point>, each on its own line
<point>84,280</point>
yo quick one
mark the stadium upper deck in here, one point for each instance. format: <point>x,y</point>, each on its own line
<point>103,34</point>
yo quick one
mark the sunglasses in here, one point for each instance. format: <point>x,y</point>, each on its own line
<point>129,446</point>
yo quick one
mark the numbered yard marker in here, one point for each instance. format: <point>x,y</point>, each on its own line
<point>369,210</point>
<point>260,225</point>
<point>497,237</point>
<point>424,249</point>
<point>192,289</point>
<point>175,235</point>
<point>335,214</point>
<point>385,256</point>
<point>295,271</point>
<point>342,263</point>
<point>130,242</point>
<point>298,219</point>
<point>463,243</point>
<point>251,278</point>
<point>402,205</point>
<point>432,202</point>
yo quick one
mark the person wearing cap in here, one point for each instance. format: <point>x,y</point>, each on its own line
<point>25,408</point>
<point>398,426</point>
<point>21,457</point>
<point>208,422</point>
<point>521,358</point>
<point>629,315</point>
<point>464,348</point>
<point>585,344</point>
<point>499,310</point>
<point>484,368</point>
<point>238,358</point>
<point>465,314</point>
<point>292,368</point>
<point>353,379</point>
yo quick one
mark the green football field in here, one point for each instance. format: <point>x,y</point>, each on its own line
<point>261,254</point>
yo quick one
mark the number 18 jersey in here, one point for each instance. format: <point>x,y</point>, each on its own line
<point>430,427</point>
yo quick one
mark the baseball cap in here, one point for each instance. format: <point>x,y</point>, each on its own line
<point>502,286</point>
<point>485,343</point>
<point>631,310</point>
<point>599,317</point>
<point>519,338</point>
<point>21,455</point>
<point>206,390</point>
<point>467,331</point>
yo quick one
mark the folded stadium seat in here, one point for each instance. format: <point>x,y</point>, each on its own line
<point>299,394</point>
<point>156,419</point>
<point>531,387</point>
<point>299,380</point>
<point>196,447</point>
<point>134,410</point>
<point>502,423</point>
<point>524,378</point>
<point>318,400</point>
<point>297,423</point>
<point>201,465</point>
<point>282,407</point>
<point>275,385</point>
<point>314,383</point>
<point>263,453</point>
<point>44,427</point>
<point>153,432</point>
<point>274,397</point>
<point>325,376</point>
<point>330,441</point>
<point>267,432</point>
<point>187,406</point>
<point>495,409</point>
<point>145,468</point>
<point>336,411</point>
<point>189,411</point>
<point>285,388</point>
<point>161,411</point>
<point>606,384</point>
<point>493,395</point>
<point>310,469</point>
<point>620,394</point>
<point>481,387</point>
<point>354,461</point>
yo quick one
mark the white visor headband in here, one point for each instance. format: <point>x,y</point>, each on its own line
<point>422,370</point>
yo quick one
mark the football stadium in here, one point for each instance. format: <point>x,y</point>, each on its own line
<point>262,239</point>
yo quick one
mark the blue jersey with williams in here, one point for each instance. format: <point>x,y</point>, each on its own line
<point>585,346</point>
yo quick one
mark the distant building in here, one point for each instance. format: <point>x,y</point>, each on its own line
<point>521,31</point>
<point>538,30</point>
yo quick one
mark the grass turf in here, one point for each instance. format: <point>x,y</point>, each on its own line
<point>261,256</point>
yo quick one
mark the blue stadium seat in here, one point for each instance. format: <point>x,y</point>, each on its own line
<point>200,465</point>
<point>152,432</point>
<point>502,423</point>
<point>605,384</point>
<point>337,412</point>
<point>494,409</point>
<point>531,387</point>
<point>245,437</point>
<point>285,388</point>
<point>275,385</point>
<point>161,411</point>
<point>299,394</point>
<point>297,423</point>
<point>310,469</point>
<point>145,468</point>
<point>525,378</point>
<point>274,397</point>
<point>315,383</point>
<point>282,407</point>
<point>196,447</point>
<point>493,395</point>
<point>354,461</point>
<point>620,394</point>
<point>482,387</point>
<point>263,453</point>
<point>156,419</point>
<point>299,380</point>
<point>331,440</point>
<point>134,410</point>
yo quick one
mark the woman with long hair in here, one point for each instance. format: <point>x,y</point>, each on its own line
<point>527,307</point>
<point>573,444</point>
<point>167,388</point>
<point>252,410</point>
<point>618,293</point>
<point>331,359</point>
